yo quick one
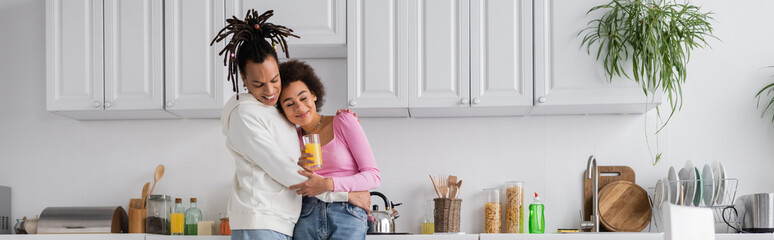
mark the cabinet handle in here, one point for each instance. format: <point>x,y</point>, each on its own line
<point>464,101</point>
<point>170,103</point>
<point>542,99</point>
<point>476,101</point>
<point>352,103</point>
<point>108,104</point>
<point>96,103</point>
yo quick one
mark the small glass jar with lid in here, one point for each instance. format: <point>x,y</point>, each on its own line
<point>157,220</point>
<point>492,210</point>
<point>513,207</point>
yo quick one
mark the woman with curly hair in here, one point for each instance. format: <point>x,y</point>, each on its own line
<point>348,163</point>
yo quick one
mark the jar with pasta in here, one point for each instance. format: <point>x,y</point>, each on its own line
<point>492,210</point>
<point>514,207</point>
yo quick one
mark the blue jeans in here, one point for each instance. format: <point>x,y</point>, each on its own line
<point>339,220</point>
<point>261,234</point>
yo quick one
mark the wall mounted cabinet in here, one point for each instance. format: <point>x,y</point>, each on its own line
<point>127,82</point>
<point>321,24</point>
<point>440,58</point>
<point>567,79</point>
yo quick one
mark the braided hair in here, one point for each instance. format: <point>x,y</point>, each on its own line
<point>249,42</point>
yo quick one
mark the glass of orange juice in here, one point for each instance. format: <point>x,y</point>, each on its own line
<point>312,143</point>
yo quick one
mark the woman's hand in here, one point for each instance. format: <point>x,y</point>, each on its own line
<point>314,186</point>
<point>303,161</point>
<point>360,199</point>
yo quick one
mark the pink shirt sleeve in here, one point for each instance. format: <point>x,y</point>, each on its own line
<point>368,176</point>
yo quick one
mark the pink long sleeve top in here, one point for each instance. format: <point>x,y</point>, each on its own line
<point>347,159</point>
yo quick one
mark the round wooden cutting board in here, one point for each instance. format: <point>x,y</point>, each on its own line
<point>624,207</point>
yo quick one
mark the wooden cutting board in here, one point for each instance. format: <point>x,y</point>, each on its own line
<point>624,207</point>
<point>624,173</point>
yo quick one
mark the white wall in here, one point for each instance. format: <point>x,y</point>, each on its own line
<point>50,160</point>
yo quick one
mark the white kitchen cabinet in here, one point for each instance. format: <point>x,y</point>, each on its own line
<point>439,57</point>
<point>74,79</point>
<point>458,58</point>
<point>567,79</point>
<point>321,24</point>
<point>377,67</point>
<point>128,82</point>
<point>196,85</point>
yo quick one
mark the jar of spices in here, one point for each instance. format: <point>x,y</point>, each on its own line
<point>225,229</point>
<point>492,210</point>
<point>157,220</point>
<point>514,207</point>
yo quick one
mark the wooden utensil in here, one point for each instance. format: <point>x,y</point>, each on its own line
<point>452,182</point>
<point>157,176</point>
<point>144,194</point>
<point>444,188</point>
<point>436,188</point>
<point>624,173</point>
<point>457,188</point>
<point>624,207</point>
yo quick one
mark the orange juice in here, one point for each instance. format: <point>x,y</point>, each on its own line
<point>177,223</point>
<point>314,148</point>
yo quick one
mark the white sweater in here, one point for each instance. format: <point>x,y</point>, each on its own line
<point>265,146</point>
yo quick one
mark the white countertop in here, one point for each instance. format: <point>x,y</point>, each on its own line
<point>553,236</point>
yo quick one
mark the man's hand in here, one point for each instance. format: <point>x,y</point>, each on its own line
<point>360,199</point>
<point>347,110</point>
<point>314,186</point>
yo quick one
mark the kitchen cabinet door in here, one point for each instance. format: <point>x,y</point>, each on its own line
<point>74,55</point>
<point>321,24</point>
<point>134,67</point>
<point>196,85</point>
<point>376,63</point>
<point>439,46</point>
<point>501,57</point>
<point>567,79</point>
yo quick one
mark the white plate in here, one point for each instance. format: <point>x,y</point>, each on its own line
<point>720,195</point>
<point>672,187</point>
<point>699,187</point>
<point>709,185</point>
<point>688,181</point>
<point>658,195</point>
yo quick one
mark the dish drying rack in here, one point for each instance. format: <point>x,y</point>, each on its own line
<point>721,200</point>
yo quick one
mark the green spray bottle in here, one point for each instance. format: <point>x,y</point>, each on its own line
<point>537,223</point>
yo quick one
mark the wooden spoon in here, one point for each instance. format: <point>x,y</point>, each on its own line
<point>452,183</point>
<point>145,193</point>
<point>459,184</point>
<point>157,176</point>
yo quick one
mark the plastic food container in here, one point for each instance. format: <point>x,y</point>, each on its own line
<point>492,210</point>
<point>514,207</point>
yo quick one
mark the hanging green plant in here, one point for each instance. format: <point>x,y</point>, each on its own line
<point>654,36</point>
<point>769,89</point>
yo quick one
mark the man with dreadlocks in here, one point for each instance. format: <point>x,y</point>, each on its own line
<point>262,141</point>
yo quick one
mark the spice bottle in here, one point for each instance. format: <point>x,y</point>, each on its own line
<point>225,228</point>
<point>514,211</point>
<point>492,210</point>
<point>157,219</point>
<point>192,217</point>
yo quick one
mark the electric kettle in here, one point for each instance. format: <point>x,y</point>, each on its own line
<point>382,221</point>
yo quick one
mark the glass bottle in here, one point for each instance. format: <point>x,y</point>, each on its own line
<point>177,218</point>
<point>192,217</point>
<point>19,227</point>
<point>492,210</point>
<point>514,207</point>
<point>428,225</point>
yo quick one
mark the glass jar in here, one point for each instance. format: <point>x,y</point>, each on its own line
<point>225,229</point>
<point>513,195</point>
<point>492,210</point>
<point>157,220</point>
<point>19,227</point>
<point>428,222</point>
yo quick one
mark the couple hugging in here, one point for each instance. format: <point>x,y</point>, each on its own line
<point>273,196</point>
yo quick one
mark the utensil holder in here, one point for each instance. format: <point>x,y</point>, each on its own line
<point>447,214</point>
<point>136,216</point>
